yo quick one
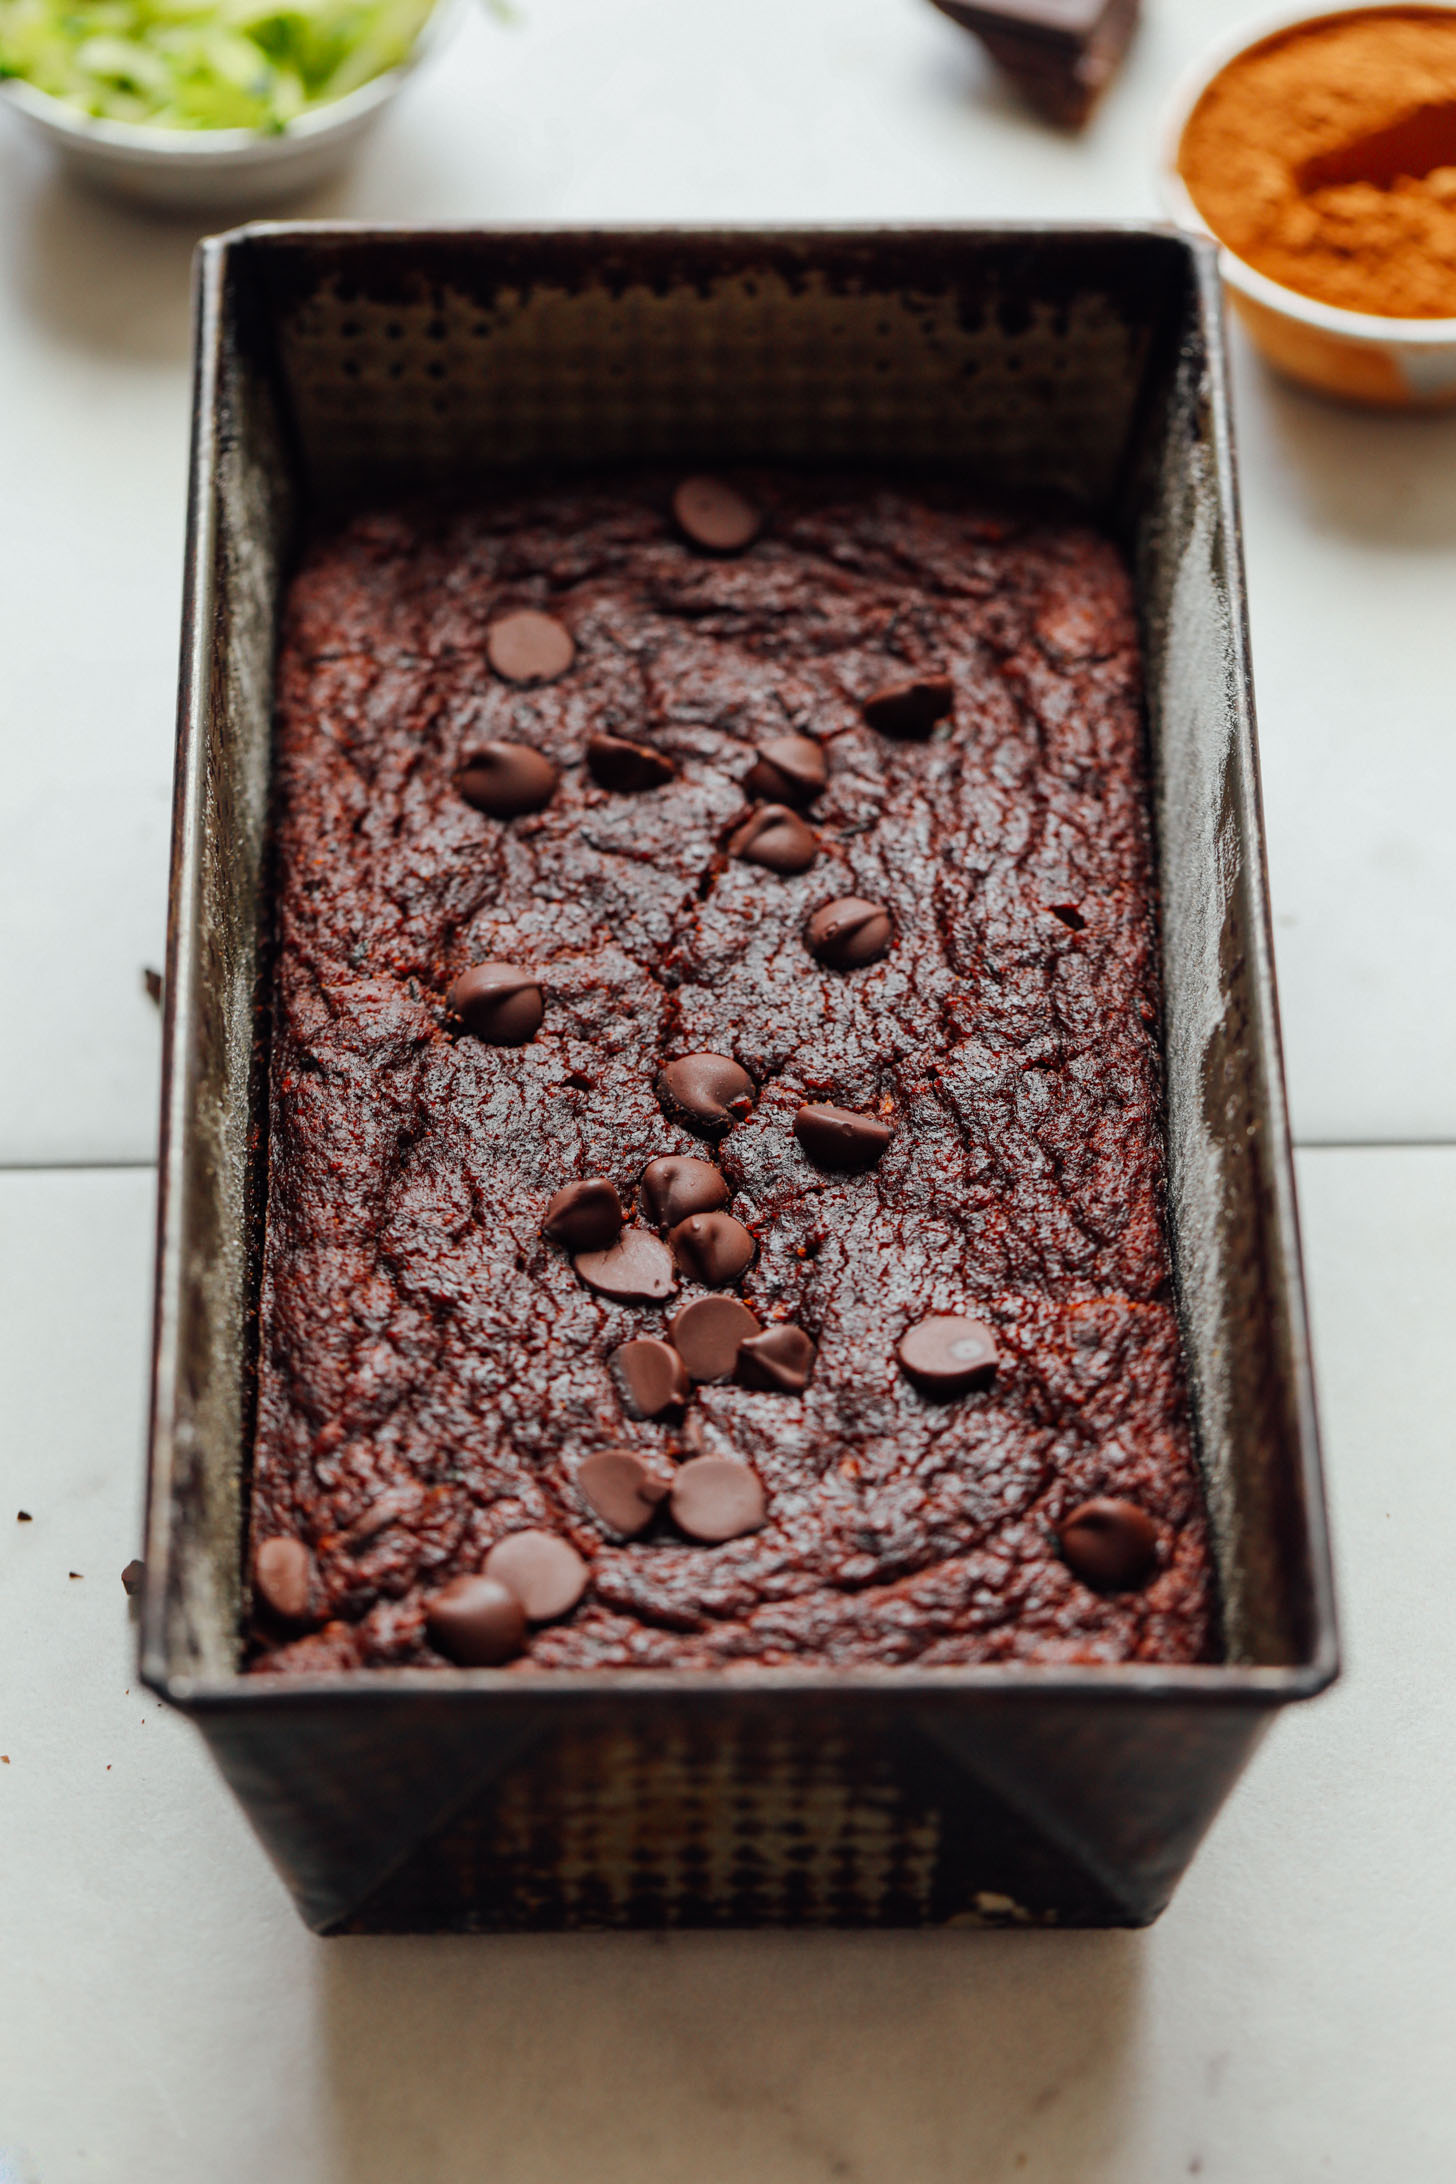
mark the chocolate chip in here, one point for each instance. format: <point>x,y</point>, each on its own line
<point>23,1516</point>
<point>651,1377</point>
<point>621,1490</point>
<point>506,779</point>
<point>849,932</point>
<point>628,768</point>
<point>708,1333</point>
<point>544,1571</point>
<point>946,1354</point>
<point>133,1577</point>
<point>499,1002</point>
<point>787,770</point>
<point>776,838</point>
<point>714,1498</point>
<point>836,1137</point>
<point>676,1185</point>
<point>910,708</point>
<point>584,1216</point>
<point>781,1360</point>
<point>1111,1545</point>
<point>712,1248</point>
<point>283,1574</point>
<point>708,1092</point>
<point>153,982</point>
<point>1070,916</point>
<point>529,647</point>
<point>636,1269</point>
<point>715,516</point>
<point>476,1622</point>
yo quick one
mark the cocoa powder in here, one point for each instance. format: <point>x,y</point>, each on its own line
<point>1325,157</point>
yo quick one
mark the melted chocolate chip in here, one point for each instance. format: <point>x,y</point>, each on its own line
<point>476,1622</point>
<point>947,1354</point>
<point>133,1577</point>
<point>584,1216</point>
<point>283,1574</point>
<point>707,1092</point>
<point>651,1377</point>
<point>707,1335</point>
<point>781,1360</point>
<point>776,838</point>
<point>529,647</point>
<point>787,770</point>
<point>499,1003</point>
<point>628,768</point>
<point>544,1571</point>
<point>714,1498</point>
<point>715,516</point>
<point>676,1185</point>
<point>636,1269</point>
<point>619,1488</point>
<point>1111,1545</point>
<point>910,708</point>
<point>836,1137</point>
<point>849,932</point>
<point>712,1248</point>
<point>506,779</point>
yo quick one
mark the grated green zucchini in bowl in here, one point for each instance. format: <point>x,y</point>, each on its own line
<point>176,64</point>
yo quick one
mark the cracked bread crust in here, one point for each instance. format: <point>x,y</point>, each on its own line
<point>432,1372</point>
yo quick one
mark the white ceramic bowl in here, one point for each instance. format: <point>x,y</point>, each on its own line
<point>1391,362</point>
<point>207,170</point>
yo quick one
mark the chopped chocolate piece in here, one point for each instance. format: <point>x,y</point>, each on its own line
<point>715,516</point>
<point>23,1516</point>
<point>836,1137</point>
<point>946,1354</point>
<point>498,1002</point>
<point>781,1359</point>
<point>776,838</point>
<point>529,647</point>
<point>714,1498</point>
<point>707,1092</point>
<point>153,982</point>
<point>621,1490</point>
<point>1061,54</point>
<point>1070,916</point>
<point>910,709</point>
<point>650,1376</point>
<point>133,1578</point>
<point>584,1216</point>
<point>787,770</point>
<point>283,1576</point>
<point>476,1621</point>
<point>1111,1545</point>
<point>636,1269</point>
<point>628,768</point>
<point>544,1571</point>
<point>507,779</point>
<point>849,932</point>
<point>708,1333</point>
<point>712,1248</point>
<point>675,1185</point>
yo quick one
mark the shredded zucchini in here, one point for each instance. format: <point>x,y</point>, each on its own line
<point>175,64</point>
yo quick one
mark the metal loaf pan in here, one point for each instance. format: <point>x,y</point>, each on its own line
<point>1085,362</point>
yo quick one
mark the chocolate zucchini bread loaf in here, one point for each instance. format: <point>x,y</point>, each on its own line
<point>715,1175</point>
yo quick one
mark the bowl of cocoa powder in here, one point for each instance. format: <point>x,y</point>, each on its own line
<point>1320,152</point>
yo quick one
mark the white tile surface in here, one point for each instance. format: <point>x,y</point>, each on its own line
<point>164,2017</point>
<point>654,110</point>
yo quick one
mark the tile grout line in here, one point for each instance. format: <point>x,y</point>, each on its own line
<point>75,1167</point>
